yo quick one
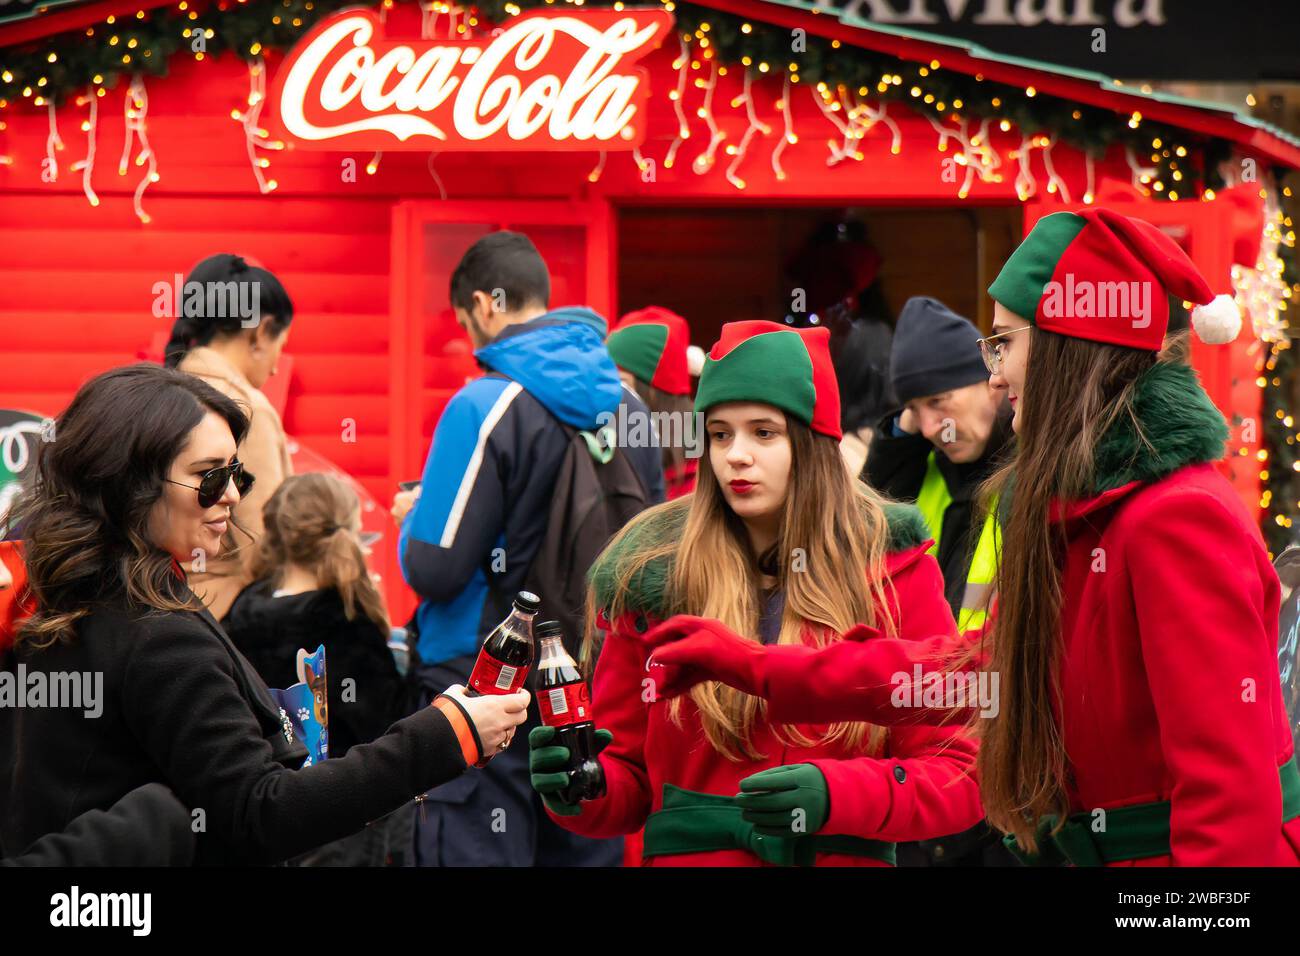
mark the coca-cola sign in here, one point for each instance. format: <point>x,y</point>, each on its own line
<point>554,79</point>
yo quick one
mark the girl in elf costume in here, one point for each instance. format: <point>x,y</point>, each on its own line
<point>1148,729</point>
<point>652,350</point>
<point>780,542</point>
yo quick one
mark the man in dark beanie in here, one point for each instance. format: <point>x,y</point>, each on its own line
<point>936,450</point>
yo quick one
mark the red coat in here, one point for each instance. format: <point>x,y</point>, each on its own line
<point>936,794</point>
<point>1168,673</point>
<point>16,601</point>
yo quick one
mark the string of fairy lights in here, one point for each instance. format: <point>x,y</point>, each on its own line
<point>857,93</point>
<point>1268,294</point>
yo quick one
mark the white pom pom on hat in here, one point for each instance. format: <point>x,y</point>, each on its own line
<point>695,360</point>
<point>1218,321</point>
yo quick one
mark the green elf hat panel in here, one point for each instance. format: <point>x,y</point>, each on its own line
<point>767,362</point>
<point>1106,277</point>
<point>651,343</point>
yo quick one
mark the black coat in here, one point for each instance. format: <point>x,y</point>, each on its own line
<point>182,707</point>
<point>896,466</point>
<point>270,630</point>
<point>147,827</point>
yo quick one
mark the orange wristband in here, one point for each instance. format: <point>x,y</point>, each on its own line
<point>465,735</point>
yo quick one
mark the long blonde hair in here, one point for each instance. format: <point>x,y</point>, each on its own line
<point>830,559</point>
<point>311,521</point>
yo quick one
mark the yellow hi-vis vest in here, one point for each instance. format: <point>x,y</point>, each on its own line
<point>933,501</point>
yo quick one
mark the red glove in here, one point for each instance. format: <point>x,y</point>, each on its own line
<point>699,649</point>
<point>703,649</point>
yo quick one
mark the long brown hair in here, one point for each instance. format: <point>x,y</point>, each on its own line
<point>312,521</point>
<point>1075,391</point>
<point>830,560</point>
<point>84,513</point>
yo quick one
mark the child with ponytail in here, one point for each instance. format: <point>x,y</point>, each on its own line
<point>311,587</point>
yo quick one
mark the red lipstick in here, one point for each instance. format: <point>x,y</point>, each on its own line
<point>741,487</point>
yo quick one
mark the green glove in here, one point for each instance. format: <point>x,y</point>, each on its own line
<point>785,801</point>
<point>548,766</point>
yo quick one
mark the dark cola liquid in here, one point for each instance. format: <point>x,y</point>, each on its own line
<point>507,654</point>
<point>565,704</point>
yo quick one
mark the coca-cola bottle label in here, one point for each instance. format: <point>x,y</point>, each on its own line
<point>564,705</point>
<point>490,676</point>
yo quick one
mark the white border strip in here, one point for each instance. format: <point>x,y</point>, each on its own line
<point>476,460</point>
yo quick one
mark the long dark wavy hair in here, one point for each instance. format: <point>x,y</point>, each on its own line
<point>84,512</point>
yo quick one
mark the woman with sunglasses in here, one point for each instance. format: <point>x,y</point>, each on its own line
<point>1140,718</point>
<point>143,475</point>
<point>237,354</point>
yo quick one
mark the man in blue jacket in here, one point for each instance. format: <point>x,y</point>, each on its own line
<point>469,539</point>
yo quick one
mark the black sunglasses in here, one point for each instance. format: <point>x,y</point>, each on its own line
<point>212,486</point>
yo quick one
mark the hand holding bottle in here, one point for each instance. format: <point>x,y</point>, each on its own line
<point>494,717</point>
<point>549,767</point>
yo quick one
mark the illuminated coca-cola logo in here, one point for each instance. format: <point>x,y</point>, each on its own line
<point>546,80</point>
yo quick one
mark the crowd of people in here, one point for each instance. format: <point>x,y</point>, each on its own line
<point>963,600</point>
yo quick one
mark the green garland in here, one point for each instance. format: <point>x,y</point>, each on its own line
<point>95,56</point>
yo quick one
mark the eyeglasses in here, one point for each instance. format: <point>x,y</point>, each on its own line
<point>991,351</point>
<point>212,485</point>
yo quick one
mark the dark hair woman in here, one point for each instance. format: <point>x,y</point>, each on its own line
<point>234,324</point>
<point>1140,718</point>
<point>143,472</point>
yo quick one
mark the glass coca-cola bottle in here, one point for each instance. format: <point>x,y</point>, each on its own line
<point>507,654</point>
<point>565,704</point>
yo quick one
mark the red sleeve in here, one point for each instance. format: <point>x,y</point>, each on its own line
<point>617,702</point>
<point>865,677</point>
<point>1194,569</point>
<point>926,788</point>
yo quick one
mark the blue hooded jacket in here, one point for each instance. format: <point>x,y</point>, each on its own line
<point>467,544</point>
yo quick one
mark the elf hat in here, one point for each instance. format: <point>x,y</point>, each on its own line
<point>770,363</point>
<point>651,343</point>
<point>1106,277</point>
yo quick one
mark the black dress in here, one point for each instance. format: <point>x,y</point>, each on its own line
<point>182,707</point>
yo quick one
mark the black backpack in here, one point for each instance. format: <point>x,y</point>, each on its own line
<point>597,492</point>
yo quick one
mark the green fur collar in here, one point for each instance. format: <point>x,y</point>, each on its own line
<point>907,528</point>
<point>1179,425</point>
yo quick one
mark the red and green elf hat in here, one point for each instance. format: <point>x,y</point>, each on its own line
<point>769,363</point>
<point>1106,277</point>
<point>651,343</point>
